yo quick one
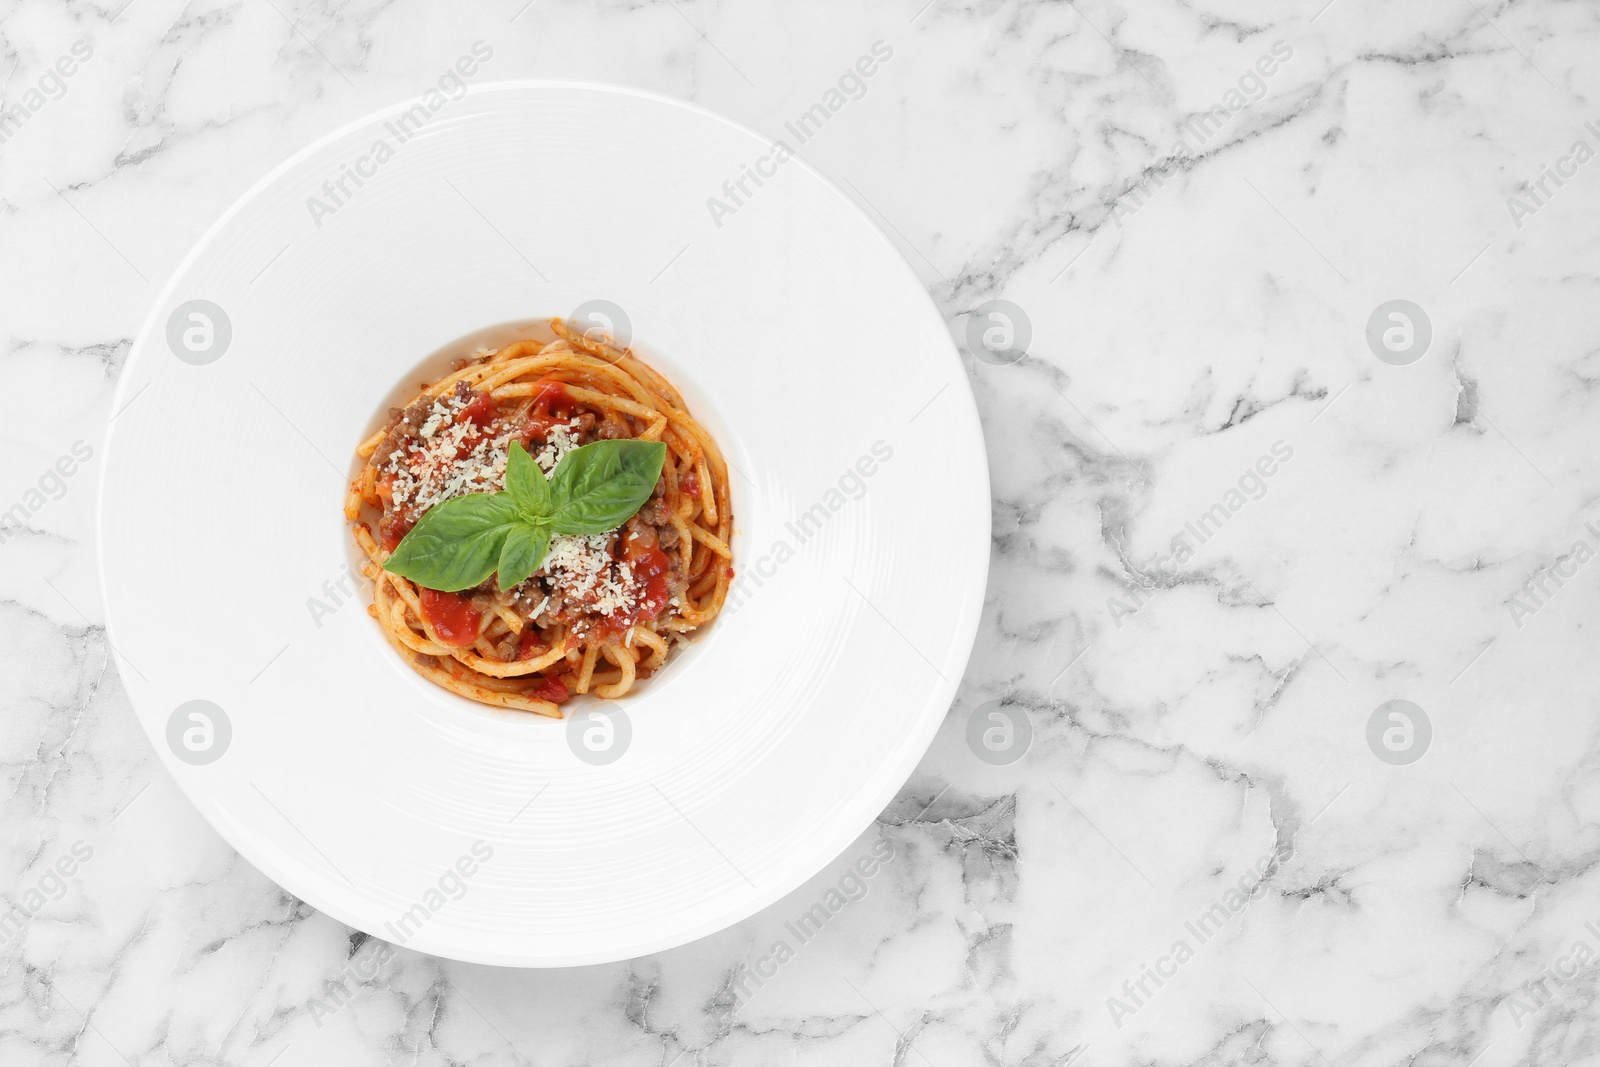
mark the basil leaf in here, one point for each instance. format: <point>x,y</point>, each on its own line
<point>600,486</point>
<point>455,545</point>
<point>523,551</point>
<point>526,484</point>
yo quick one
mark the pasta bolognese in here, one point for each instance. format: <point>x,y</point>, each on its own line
<point>603,608</point>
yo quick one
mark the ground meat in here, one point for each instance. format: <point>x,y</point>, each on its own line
<point>667,537</point>
<point>655,511</point>
<point>547,617</point>
<point>404,425</point>
<point>392,526</point>
<point>614,428</point>
<point>677,584</point>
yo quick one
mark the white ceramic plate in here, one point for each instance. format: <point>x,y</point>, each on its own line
<point>796,333</point>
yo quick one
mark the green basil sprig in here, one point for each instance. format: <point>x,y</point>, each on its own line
<point>594,489</point>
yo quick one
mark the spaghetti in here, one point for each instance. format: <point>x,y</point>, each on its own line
<point>602,612</point>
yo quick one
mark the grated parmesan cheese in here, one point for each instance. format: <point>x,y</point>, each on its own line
<point>562,440</point>
<point>582,569</point>
<point>432,470</point>
<point>445,409</point>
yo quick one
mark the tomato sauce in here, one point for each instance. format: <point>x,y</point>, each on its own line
<point>549,688</point>
<point>393,527</point>
<point>552,406</point>
<point>480,410</point>
<point>452,617</point>
<point>649,566</point>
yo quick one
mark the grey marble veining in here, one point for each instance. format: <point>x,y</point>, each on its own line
<point>1208,854</point>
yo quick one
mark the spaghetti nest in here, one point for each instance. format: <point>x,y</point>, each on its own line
<point>602,612</point>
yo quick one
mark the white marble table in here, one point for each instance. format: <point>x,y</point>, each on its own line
<point>1225,534</point>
